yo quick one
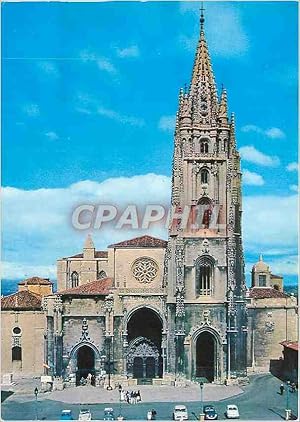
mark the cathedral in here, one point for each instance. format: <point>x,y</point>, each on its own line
<point>167,311</point>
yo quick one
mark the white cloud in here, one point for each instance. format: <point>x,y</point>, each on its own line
<point>32,110</point>
<point>251,154</point>
<point>37,223</point>
<point>20,271</point>
<point>114,115</point>
<point>49,68</point>
<point>273,132</point>
<point>270,222</point>
<point>223,26</point>
<point>167,123</point>
<point>106,65</point>
<point>292,166</point>
<point>251,178</point>
<point>87,104</point>
<point>103,63</point>
<point>294,188</point>
<point>128,52</point>
<point>53,136</point>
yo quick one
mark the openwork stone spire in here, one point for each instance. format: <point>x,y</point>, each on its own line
<point>201,102</point>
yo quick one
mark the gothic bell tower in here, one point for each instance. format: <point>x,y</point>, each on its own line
<point>204,266</point>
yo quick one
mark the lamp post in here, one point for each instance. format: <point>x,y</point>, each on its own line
<point>201,418</point>
<point>36,392</point>
<point>120,418</point>
<point>109,387</point>
<point>287,407</point>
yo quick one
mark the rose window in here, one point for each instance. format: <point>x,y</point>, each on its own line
<point>145,270</point>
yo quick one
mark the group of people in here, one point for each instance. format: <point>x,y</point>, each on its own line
<point>292,388</point>
<point>131,397</point>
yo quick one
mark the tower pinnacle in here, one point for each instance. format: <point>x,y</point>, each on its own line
<point>202,20</point>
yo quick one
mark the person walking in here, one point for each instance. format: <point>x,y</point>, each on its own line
<point>281,388</point>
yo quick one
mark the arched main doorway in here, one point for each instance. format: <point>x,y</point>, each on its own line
<point>206,356</point>
<point>85,362</point>
<point>144,355</point>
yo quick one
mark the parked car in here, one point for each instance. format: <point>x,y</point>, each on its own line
<point>210,413</point>
<point>232,411</point>
<point>85,415</point>
<point>66,415</point>
<point>109,414</point>
<point>180,413</point>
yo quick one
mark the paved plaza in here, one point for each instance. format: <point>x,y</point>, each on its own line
<point>258,400</point>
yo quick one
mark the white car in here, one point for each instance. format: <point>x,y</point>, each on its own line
<point>180,413</point>
<point>85,415</point>
<point>232,411</point>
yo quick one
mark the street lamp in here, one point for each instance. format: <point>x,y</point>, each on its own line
<point>36,392</point>
<point>201,398</point>
<point>287,407</point>
<point>109,387</point>
<point>120,409</point>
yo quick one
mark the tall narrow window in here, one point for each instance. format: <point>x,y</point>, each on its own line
<point>16,353</point>
<point>204,146</point>
<point>74,279</point>
<point>262,280</point>
<point>205,212</point>
<point>204,276</point>
<point>204,176</point>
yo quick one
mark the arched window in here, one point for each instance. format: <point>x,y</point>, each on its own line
<point>204,276</point>
<point>101,274</point>
<point>16,353</point>
<point>205,210</point>
<point>204,176</point>
<point>204,146</point>
<point>74,279</point>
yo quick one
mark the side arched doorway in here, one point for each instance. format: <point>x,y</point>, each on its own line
<point>206,357</point>
<point>85,363</point>
<point>144,353</point>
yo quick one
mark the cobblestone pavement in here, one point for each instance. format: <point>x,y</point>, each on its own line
<point>149,394</point>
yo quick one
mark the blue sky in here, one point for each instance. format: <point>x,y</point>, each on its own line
<point>89,93</point>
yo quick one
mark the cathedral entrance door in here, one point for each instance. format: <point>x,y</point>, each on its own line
<point>150,367</point>
<point>144,354</point>
<point>85,363</point>
<point>205,356</point>
<point>138,368</point>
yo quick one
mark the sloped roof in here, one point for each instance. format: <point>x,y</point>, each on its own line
<point>265,293</point>
<point>23,300</point>
<point>141,242</point>
<point>294,345</point>
<point>35,281</point>
<point>276,276</point>
<point>98,254</point>
<point>97,287</point>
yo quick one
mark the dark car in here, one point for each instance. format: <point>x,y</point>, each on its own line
<point>210,413</point>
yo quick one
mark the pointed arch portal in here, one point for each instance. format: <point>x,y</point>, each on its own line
<point>206,356</point>
<point>85,362</point>
<point>144,355</point>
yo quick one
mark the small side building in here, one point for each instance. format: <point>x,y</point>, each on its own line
<point>289,368</point>
<point>272,316</point>
<point>22,328</point>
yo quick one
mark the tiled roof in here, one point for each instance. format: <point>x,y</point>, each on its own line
<point>35,281</point>
<point>294,345</point>
<point>265,292</point>
<point>23,300</point>
<point>97,287</point>
<point>276,276</point>
<point>98,254</point>
<point>141,242</point>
